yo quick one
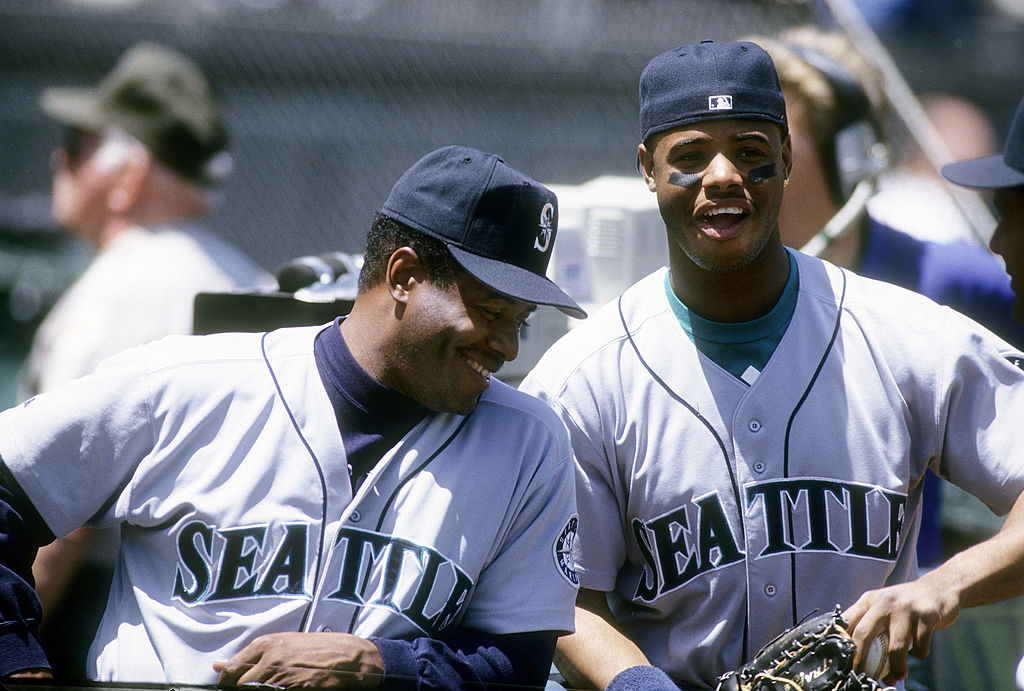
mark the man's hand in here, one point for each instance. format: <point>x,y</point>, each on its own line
<point>908,612</point>
<point>305,661</point>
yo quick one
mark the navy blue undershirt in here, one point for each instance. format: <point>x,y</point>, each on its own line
<point>740,348</point>
<point>373,418</point>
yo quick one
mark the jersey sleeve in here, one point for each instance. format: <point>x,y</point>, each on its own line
<point>530,582</point>
<point>600,547</point>
<point>468,658</point>
<point>73,449</point>
<point>983,445</point>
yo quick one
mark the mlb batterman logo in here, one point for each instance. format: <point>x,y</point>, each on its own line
<point>719,102</point>
<point>562,550</point>
<point>547,221</point>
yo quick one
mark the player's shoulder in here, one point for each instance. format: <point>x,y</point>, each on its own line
<point>528,423</point>
<point>504,402</point>
<point>598,340</point>
<point>214,351</point>
<point>907,321</point>
<point>828,283</point>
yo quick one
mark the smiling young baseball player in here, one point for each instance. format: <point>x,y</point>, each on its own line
<point>752,425</point>
<point>359,503</point>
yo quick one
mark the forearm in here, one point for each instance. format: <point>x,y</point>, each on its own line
<point>468,659</point>
<point>597,651</point>
<point>910,612</point>
<point>987,572</point>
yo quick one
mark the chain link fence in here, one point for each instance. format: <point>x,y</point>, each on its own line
<point>329,101</point>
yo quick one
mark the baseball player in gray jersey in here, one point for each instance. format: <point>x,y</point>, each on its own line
<point>751,426</point>
<point>355,504</point>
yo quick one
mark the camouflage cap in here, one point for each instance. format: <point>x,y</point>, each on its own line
<point>159,97</point>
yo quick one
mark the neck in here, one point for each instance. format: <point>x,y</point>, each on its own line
<point>110,230</point>
<point>365,334</point>
<point>737,296</point>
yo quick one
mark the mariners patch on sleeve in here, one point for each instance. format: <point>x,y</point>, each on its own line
<point>562,550</point>
<point>1015,359</point>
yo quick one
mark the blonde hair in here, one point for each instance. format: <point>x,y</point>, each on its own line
<point>814,90</point>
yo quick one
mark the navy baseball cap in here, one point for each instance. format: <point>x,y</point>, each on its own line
<point>996,171</point>
<point>499,224</point>
<point>709,81</point>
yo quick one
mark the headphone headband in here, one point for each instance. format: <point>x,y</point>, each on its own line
<point>852,152</point>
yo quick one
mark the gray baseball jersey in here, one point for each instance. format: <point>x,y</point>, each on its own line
<point>717,514</point>
<point>221,460</point>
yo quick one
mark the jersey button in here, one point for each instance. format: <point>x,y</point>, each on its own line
<point>355,516</point>
<point>754,426</point>
<point>769,590</point>
<point>758,466</point>
<point>325,629</point>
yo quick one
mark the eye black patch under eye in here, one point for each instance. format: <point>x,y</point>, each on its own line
<point>759,176</point>
<point>687,180</point>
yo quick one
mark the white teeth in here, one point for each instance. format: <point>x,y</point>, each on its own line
<point>725,210</point>
<point>479,369</point>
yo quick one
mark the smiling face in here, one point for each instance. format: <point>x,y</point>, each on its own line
<point>453,339</point>
<point>1008,241</point>
<point>719,185</point>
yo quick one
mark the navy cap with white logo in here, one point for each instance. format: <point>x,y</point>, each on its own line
<point>997,171</point>
<point>709,81</point>
<point>499,224</point>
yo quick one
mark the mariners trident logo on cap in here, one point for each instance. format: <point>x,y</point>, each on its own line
<point>547,228</point>
<point>499,224</point>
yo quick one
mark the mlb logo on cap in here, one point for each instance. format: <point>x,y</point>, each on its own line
<point>720,103</point>
<point>709,81</point>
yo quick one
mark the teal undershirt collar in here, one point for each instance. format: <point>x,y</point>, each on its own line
<point>741,348</point>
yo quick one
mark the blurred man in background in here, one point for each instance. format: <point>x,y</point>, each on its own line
<point>133,175</point>
<point>839,121</point>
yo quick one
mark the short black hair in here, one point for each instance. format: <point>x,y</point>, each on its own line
<point>387,235</point>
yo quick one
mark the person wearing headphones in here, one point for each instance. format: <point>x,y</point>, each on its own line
<point>839,121</point>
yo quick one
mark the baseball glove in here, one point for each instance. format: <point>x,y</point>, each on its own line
<point>815,655</point>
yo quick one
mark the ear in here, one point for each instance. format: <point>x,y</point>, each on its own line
<point>645,163</point>
<point>787,158</point>
<point>130,181</point>
<point>404,273</point>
